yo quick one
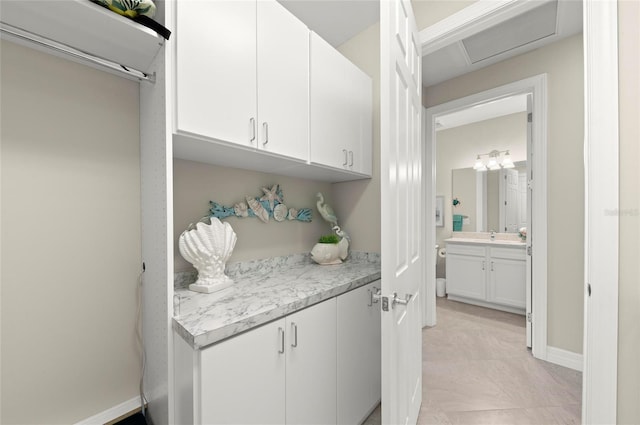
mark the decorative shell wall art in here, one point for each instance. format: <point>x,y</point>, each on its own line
<point>208,247</point>
<point>270,204</point>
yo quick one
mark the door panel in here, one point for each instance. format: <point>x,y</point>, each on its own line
<point>401,187</point>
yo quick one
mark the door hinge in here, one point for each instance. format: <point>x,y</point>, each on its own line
<point>529,317</point>
<point>529,117</point>
<point>530,184</point>
<point>529,250</point>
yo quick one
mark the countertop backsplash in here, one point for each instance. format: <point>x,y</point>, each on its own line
<point>233,270</point>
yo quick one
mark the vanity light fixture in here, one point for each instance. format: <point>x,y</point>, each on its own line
<point>493,162</point>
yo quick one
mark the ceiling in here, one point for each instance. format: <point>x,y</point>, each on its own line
<point>335,20</point>
<point>483,111</point>
<point>339,20</point>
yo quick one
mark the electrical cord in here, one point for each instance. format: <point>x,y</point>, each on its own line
<point>139,335</point>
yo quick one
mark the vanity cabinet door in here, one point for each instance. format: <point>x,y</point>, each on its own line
<point>243,378</point>
<point>358,354</point>
<point>507,271</point>
<point>466,271</point>
<point>311,365</point>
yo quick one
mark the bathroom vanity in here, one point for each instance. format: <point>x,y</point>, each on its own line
<point>486,272</point>
<point>290,342</point>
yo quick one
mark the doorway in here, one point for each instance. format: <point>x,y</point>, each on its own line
<point>536,166</point>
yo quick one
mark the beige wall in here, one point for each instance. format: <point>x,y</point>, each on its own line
<point>357,203</point>
<point>428,12</point>
<point>629,289</point>
<point>457,148</point>
<point>195,184</point>
<point>562,61</point>
<point>70,238</point>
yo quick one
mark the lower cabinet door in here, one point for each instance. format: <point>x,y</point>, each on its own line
<point>466,276</point>
<point>358,354</point>
<point>311,365</point>
<point>243,378</point>
<point>508,282</point>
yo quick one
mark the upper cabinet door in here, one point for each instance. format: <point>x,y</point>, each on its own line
<point>216,70</point>
<point>283,82</point>
<point>340,110</point>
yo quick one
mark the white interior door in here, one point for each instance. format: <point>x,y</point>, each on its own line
<point>401,188</point>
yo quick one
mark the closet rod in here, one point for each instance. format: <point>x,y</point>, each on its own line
<point>78,54</point>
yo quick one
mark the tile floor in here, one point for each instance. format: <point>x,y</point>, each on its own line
<point>477,370</point>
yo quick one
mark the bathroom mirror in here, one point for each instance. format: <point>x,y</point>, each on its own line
<point>493,200</point>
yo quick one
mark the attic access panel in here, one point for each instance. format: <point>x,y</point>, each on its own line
<point>531,26</point>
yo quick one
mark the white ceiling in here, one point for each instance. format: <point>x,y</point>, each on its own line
<point>339,20</point>
<point>335,20</point>
<point>483,111</point>
<point>545,24</point>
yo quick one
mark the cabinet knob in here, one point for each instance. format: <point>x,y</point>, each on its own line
<point>294,329</point>
<point>281,337</point>
<point>252,129</point>
<point>265,130</point>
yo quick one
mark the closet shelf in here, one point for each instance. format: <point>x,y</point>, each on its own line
<point>86,27</point>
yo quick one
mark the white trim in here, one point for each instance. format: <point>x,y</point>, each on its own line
<point>536,85</point>
<point>565,358</point>
<point>112,413</point>
<point>429,233</point>
<point>600,379</point>
<point>470,20</point>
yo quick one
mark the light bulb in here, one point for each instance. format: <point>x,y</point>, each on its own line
<point>506,161</point>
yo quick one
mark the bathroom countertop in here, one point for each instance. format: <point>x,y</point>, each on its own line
<point>264,290</point>
<point>482,241</point>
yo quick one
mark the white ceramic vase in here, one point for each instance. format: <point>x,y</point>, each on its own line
<point>208,247</point>
<point>326,253</point>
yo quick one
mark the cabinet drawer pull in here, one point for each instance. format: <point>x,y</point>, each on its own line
<point>483,265</point>
<point>492,266</point>
<point>281,336</point>
<point>350,158</point>
<point>294,329</point>
<point>252,129</point>
<point>265,129</point>
<point>344,151</point>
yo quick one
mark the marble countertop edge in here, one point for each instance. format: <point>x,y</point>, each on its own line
<point>295,287</point>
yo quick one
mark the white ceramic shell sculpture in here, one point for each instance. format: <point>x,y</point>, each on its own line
<point>208,247</point>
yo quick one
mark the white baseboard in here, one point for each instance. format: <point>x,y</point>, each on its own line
<point>564,358</point>
<point>112,413</point>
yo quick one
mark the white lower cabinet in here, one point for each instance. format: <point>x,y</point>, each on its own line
<point>311,365</point>
<point>243,378</point>
<point>358,354</point>
<point>487,275</point>
<point>320,365</point>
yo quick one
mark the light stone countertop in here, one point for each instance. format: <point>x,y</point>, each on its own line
<point>496,242</point>
<point>263,291</point>
<point>484,238</point>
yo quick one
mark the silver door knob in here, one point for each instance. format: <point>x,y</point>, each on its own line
<point>400,301</point>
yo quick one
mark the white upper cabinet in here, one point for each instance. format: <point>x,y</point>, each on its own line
<point>243,75</point>
<point>283,82</point>
<point>216,87</point>
<point>340,110</point>
<point>253,91</point>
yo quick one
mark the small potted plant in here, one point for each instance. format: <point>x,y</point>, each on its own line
<point>327,251</point>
